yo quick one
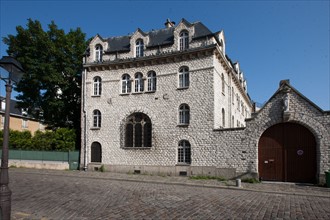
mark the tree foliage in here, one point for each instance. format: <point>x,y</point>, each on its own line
<point>52,62</point>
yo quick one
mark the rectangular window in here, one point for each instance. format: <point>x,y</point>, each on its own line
<point>184,80</point>
<point>152,84</point>
<point>184,155</point>
<point>24,123</point>
<point>139,85</point>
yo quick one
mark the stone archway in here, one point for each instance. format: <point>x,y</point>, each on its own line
<point>287,152</point>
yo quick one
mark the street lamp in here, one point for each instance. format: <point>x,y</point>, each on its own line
<point>15,72</point>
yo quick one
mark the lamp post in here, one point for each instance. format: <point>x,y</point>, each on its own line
<point>15,72</point>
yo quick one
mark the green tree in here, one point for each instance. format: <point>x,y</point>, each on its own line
<point>65,139</point>
<point>52,62</point>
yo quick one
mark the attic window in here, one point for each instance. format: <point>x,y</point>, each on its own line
<point>139,48</point>
<point>98,53</point>
<point>184,40</point>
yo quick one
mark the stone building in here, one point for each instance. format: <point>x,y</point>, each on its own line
<point>170,101</point>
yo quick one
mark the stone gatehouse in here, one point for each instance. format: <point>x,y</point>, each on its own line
<point>171,101</point>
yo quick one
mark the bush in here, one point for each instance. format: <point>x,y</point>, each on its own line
<point>63,139</point>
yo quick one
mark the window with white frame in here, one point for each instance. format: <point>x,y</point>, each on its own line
<point>97,86</point>
<point>139,48</point>
<point>98,53</point>
<point>184,114</point>
<point>126,84</point>
<point>138,82</point>
<point>96,119</point>
<point>152,81</point>
<point>184,40</point>
<point>184,152</point>
<point>184,77</point>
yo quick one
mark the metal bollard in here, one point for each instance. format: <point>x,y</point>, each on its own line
<point>238,183</point>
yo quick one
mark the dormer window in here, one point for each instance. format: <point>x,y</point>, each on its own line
<point>184,40</point>
<point>98,53</point>
<point>139,46</point>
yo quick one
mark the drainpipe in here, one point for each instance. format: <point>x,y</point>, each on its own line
<point>84,115</point>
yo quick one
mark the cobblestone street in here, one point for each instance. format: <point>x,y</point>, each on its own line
<point>40,194</point>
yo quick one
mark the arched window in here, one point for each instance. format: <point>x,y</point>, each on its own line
<point>223,83</point>
<point>138,131</point>
<point>96,152</point>
<point>97,86</point>
<point>242,107</point>
<point>126,84</point>
<point>183,77</point>
<point>139,48</point>
<point>96,119</point>
<point>184,152</point>
<point>184,40</point>
<point>223,118</point>
<point>232,95</point>
<point>152,81</point>
<point>184,114</point>
<point>139,82</point>
<point>98,53</point>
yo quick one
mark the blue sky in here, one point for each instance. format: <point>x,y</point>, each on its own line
<point>272,40</point>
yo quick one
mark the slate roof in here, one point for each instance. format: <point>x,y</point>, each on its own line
<point>13,109</point>
<point>119,44</point>
<point>156,37</point>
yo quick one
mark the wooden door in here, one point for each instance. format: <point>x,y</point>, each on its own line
<point>96,153</point>
<point>287,152</point>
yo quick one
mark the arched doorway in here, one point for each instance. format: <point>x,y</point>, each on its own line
<point>287,152</point>
<point>96,153</point>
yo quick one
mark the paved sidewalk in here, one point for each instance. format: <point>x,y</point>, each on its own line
<point>265,186</point>
<point>52,194</point>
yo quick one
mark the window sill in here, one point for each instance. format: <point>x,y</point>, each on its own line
<point>124,94</point>
<point>137,93</point>
<point>136,148</point>
<point>182,164</point>
<point>183,125</point>
<point>95,128</point>
<point>183,88</point>
<point>151,91</point>
<point>95,96</point>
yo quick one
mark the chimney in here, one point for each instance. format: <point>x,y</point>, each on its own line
<point>169,23</point>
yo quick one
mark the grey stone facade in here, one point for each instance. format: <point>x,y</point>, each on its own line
<point>222,131</point>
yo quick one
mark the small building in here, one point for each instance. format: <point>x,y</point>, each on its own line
<point>19,118</point>
<point>171,101</point>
